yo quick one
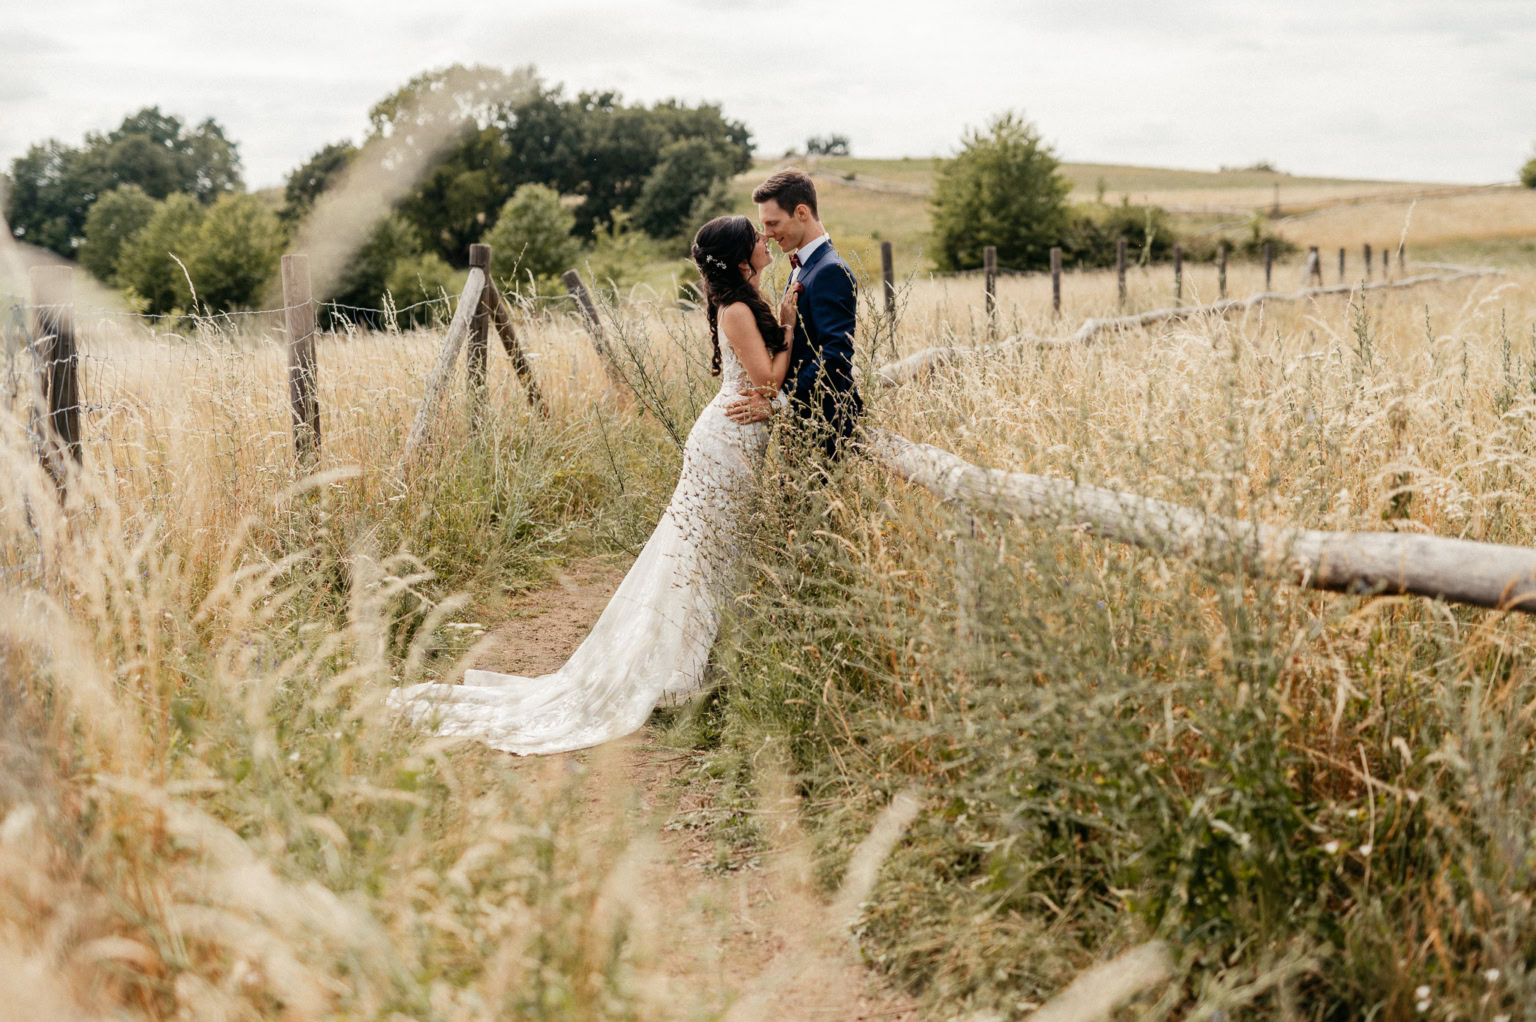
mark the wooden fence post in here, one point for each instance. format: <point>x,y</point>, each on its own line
<point>1178,275</point>
<point>1269,262</point>
<point>594,326</point>
<point>502,320</point>
<point>1401,258</point>
<point>1341,264</point>
<point>1314,264</point>
<point>1055,281</point>
<point>442,368</point>
<point>888,275</point>
<point>989,270</point>
<point>299,321</point>
<point>479,331</point>
<point>58,365</point>
<point>1120,267</point>
<point>1368,264</point>
<point>1221,270</point>
<point>1386,263</point>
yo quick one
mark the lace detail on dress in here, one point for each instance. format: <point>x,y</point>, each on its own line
<point>652,642</point>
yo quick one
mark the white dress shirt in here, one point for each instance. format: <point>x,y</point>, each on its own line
<point>804,252</point>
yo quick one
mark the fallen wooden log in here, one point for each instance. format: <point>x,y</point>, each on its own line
<point>918,364</point>
<point>1457,570</point>
<point>469,301</point>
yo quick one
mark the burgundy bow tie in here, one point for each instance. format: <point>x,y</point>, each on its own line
<point>794,260</point>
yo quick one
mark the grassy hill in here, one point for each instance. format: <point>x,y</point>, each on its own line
<point>867,201</point>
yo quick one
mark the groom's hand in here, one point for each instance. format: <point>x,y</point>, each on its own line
<point>751,407</point>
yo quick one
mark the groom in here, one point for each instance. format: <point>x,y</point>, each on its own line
<point>819,384</point>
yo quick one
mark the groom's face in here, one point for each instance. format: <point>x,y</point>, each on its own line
<point>787,229</point>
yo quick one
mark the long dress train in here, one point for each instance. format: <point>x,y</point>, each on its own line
<point>651,644</point>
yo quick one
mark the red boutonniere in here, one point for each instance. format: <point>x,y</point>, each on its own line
<point>799,288</point>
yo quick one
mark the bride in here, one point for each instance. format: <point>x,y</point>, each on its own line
<point>652,642</point>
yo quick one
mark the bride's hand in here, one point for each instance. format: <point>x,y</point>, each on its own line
<point>788,305</point>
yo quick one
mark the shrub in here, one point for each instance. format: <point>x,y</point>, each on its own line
<point>532,239</point>
<point>1528,173</point>
<point>419,279</point>
<point>235,253</point>
<point>1002,189</point>
<point>367,273</point>
<point>619,255</point>
<point>1094,230</point>
<point>147,263</point>
<point>115,218</point>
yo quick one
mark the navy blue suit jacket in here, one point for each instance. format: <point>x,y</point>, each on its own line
<point>820,374</point>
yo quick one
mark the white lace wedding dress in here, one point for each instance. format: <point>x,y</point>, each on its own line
<point>652,642</point>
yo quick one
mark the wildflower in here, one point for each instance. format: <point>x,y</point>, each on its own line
<point>1332,848</point>
<point>1366,848</point>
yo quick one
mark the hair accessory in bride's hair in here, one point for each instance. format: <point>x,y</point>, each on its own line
<point>718,262</point>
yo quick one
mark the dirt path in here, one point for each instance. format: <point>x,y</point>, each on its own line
<point>754,942</point>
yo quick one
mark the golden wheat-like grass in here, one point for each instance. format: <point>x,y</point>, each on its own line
<point>211,816</point>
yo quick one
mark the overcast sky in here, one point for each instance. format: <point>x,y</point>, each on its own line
<point>1433,90</point>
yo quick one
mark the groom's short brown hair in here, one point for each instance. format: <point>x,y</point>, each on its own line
<point>791,189</point>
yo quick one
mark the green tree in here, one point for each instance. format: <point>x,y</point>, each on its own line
<point>47,202</point>
<point>532,235</point>
<point>235,253</point>
<point>116,217</point>
<point>514,130</point>
<point>1002,189</point>
<point>827,145</point>
<point>1528,173</point>
<point>311,178</point>
<point>54,185</point>
<point>145,265</point>
<point>687,171</point>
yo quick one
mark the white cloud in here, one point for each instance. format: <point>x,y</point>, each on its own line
<point>1412,89</point>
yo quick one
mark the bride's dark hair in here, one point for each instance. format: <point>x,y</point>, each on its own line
<point>719,249</point>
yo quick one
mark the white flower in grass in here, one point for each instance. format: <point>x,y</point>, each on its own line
<point>1332,848</point>
<point>1366,848</point>
<point>1492,975</point>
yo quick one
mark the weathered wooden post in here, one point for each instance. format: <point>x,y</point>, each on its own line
<point>1178,275</point>
<point>442,369</point>
<point>1314,265</point>
<point>1055,281</point>
<point>1386,263</point>
<point>1221,270</point>
<point>1120,267</point>
<point>299,322</point>
<point>1269,262</point>
<point>479,331</point>
<point>502,320</point>
<point>888,276</point>
<point>1368,264</point>
<point>989,271</point>
<point>58,365</point>
<point>1341,264</point>
<point>594,326</point>
<point>1401,258</point>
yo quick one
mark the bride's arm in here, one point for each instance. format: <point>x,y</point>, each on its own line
<point>764,370</point>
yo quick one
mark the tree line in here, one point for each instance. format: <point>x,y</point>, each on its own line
<point>158,207</point>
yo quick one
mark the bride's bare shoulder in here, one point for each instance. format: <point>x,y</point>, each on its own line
<point>737,319</point>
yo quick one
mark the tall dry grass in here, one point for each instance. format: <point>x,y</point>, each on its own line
<point>1321,801</point>
<point>1317,799</point>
